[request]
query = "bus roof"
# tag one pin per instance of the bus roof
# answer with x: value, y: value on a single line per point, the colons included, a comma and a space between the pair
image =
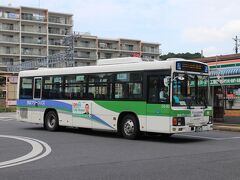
x: 108, y: 65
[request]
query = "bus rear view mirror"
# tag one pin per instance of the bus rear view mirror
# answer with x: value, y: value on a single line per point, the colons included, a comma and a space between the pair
x: 166, y: 81
x: 181, y: 78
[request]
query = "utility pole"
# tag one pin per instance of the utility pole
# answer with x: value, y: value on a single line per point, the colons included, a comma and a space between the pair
x: 236, y: 44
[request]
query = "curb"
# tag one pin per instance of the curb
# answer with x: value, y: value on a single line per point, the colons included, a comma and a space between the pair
x: 233, y: 128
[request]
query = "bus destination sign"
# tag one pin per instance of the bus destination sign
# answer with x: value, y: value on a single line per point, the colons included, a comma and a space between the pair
x: 191, y: 66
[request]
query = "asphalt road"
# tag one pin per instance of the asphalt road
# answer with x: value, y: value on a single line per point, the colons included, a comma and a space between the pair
x: 85, y: 154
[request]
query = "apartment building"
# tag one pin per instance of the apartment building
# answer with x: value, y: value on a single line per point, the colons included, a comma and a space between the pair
x: 88, y: 49
x: 28, y: 33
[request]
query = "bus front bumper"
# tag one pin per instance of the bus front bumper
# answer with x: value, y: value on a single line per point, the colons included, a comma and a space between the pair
x: 182, y: 129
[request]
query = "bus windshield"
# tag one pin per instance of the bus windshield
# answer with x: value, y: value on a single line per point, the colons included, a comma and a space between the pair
x: 190, y: 90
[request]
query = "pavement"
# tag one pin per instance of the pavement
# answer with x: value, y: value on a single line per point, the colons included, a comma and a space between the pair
x: 27, y: 151
x: 226, y: 127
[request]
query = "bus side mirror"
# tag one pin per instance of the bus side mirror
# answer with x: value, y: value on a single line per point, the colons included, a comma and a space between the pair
x: 166, y: 81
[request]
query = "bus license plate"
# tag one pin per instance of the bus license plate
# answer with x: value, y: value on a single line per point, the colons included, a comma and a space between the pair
x: 198, y: 129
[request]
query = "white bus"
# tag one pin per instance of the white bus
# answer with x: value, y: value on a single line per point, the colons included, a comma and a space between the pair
x: 126, y: 95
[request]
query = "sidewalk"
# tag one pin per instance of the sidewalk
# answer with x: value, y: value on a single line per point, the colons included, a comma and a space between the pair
x: 226, y: 127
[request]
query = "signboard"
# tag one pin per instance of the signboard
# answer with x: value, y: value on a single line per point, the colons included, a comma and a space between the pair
x: 191, y: 66
x: 226, y: 81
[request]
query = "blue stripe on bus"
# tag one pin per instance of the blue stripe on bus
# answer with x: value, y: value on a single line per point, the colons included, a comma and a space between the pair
x: 57, y: 105
x: 48, y: 103
x: 97, y: 119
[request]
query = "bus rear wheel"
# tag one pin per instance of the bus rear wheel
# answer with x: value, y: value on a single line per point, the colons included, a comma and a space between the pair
x: 130, y: 127
x: 51, y: 121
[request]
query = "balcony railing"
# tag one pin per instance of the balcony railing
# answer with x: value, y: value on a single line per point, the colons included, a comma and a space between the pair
x: 59, y: 20
x: 130, y: 49
x: 89, y: 45
x: 10, y: 15
x: 31, y: 41
x: 33, y: 53
x: 31, y: 17
x: 6, y: 39
x: 85, y: 56
x: 9, y: 51
x: 60, y: 31
x: 149, y: 50
x: 9, y: 28
x: 33, y: 30
x: 56, y: 43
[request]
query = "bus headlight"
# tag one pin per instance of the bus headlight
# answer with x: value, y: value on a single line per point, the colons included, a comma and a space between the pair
x: 178, y: 121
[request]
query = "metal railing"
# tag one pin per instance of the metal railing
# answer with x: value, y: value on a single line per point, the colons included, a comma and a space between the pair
x: 85, y: 56
x: 150, y: 50
x: 33, y: 30
x: 31, y: 17
x: 9, y: 28
x: 33, y: 53
x: 32, y: 41
x: 59, y: 20
x: 84, y: 45
x: 9, y: 51
x: 8, y: 39
x: 130, y: 49
x: 9, y: 15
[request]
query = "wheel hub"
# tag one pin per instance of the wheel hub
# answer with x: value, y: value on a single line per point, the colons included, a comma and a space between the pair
x: 129, y: 127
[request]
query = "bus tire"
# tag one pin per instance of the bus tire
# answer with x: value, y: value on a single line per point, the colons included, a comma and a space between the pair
x: 51, y: 122
x: 130, y: 127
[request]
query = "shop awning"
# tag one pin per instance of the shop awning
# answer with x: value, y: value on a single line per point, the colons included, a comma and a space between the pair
x: 226, y: 71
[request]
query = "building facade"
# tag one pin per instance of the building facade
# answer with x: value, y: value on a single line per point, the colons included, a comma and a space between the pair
x: 225, y: 87
x: 28, y: 33
x: 88, y: 49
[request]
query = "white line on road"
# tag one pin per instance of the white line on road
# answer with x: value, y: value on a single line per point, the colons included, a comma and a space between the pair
x: 210, y: 138
x: 40, y: 149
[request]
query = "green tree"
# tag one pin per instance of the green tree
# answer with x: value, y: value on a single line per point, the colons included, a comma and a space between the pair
x: 181, y: 55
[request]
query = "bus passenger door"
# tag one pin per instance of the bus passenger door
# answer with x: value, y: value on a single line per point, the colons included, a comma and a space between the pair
x: 157, y: 104
x: 37, y: 112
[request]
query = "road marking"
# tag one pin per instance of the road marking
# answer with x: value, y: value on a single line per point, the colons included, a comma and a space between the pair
x: 7, y: 118
x: 210, y: 138
x: 39, y: 150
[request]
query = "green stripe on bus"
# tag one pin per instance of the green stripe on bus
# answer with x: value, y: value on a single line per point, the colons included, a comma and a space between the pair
x: 141, y: 108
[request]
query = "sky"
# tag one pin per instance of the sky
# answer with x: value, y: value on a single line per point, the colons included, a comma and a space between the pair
x: 180, y: 26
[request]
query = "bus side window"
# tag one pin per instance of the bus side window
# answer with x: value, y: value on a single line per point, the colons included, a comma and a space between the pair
x: 26, y: 88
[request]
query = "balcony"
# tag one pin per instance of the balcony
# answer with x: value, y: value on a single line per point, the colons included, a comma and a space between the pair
x: 56, y: 43
x: 10, y: 15
x: 108, y: 46
x: 59, y: 20
x: 85, y: 45
x: 9, y: 40
x: 61, y: 32
x: 33, y: 17
x: 34, y: 30
x: 34, y: 41
x: 5, y: 27
x: 150, y: 50
x: 9, y: 51
x: 85, y: 56
x: 130, y: 48
x: 33, y: 53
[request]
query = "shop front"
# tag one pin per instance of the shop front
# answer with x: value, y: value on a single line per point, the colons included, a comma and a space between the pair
x: 225, y: 93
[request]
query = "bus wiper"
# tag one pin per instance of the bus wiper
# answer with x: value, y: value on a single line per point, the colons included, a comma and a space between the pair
x: 189, y: 103
x: 205, y: 104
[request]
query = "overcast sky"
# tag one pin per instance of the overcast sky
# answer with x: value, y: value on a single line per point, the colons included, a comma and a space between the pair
x: 178, y: 25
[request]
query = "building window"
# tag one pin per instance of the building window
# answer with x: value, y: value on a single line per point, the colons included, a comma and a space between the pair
x: 232, y: 97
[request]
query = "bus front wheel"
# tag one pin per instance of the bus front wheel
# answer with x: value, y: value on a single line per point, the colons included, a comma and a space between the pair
x: 130, y: 127
x: 51, y: 121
